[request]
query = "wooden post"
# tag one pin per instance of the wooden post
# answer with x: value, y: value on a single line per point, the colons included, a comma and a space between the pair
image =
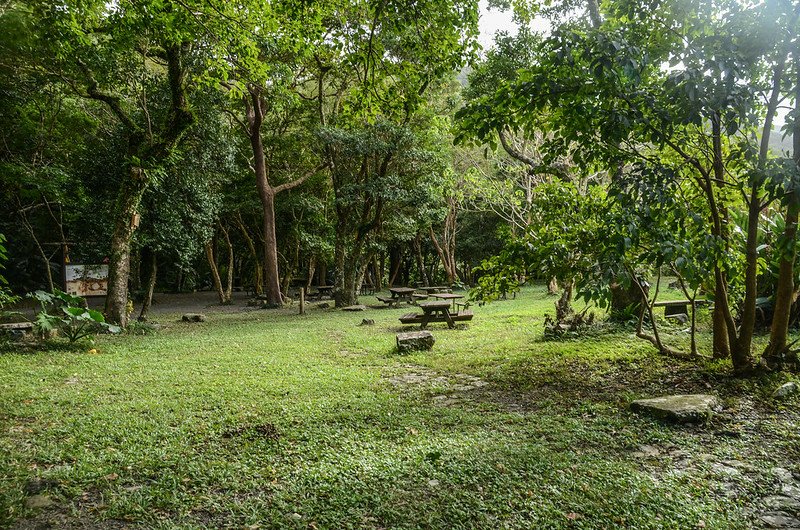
x: 302, y: 300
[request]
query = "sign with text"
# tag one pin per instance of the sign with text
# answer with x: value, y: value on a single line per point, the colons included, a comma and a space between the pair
x: 86, y: 280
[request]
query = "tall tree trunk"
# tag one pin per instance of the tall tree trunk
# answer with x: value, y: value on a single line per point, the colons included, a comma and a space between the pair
x: 151, y: 285
x: 229, y: 279
x: 212, y: 263
x: 258, y: 270
x: 254, y: 105
x: 444, y: 257
x: 272, y: 287
x: 42, y: 253
x: 740, y: 343
x: 423, y: 276
x: 347, y: 260
x: 312, y: 265
x: 377, y: 269
x: 785, y: 290
x: 128, y: 200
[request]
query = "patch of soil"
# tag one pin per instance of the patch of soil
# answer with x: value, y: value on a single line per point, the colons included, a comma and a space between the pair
x: 265, y: 431
x: 76, y: 515
x: 449, y: 389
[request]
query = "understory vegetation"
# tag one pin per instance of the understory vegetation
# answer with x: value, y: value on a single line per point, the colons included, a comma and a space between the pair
x: 274, y: 419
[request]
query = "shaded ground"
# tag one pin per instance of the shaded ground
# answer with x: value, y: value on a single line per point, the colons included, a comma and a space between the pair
x: 745, y: 427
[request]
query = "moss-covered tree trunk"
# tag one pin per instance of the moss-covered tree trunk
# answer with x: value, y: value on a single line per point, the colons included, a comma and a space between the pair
x: 128, y: 201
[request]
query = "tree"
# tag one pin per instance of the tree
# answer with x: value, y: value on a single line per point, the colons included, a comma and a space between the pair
x: 697, y: 116
x: 132, y: 59
x: 378, y: 62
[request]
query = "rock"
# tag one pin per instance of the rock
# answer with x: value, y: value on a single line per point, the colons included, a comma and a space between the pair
x: 783, y: 475
x: 723, y: 469
x: 367, y: 322
x: 647, y: 451
x: 193, y: 317
x: 414, y: 340
x: 683, y: 318
x: 785, y: 390
x: 355, y: 308
x: 36, y: 502
x: 686, y: 408
x: 779, y: 520
x: 782, y: 503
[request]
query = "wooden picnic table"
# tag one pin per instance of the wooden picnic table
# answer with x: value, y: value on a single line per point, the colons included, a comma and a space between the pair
x: 324, y: 290
x: 434, y: 289
x: 431, y: 309
x: 403, y: 294
x: 448, y: 296
x: 399, y: 294
x: 435, y: 312
x: 677, y: 307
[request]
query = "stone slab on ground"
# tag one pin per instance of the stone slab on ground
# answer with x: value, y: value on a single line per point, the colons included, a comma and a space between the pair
x: 779, y: 520
x: 36, y: 502
x: 682, y: 408
x: 193, y: 317
x: 355, y: 308
x: 785, y: 390
x: 414, y: 340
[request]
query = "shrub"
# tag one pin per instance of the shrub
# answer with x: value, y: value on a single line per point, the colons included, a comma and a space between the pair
x: 69, y: 316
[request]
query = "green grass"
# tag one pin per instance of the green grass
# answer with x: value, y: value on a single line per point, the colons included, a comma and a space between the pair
x: 273, y: 419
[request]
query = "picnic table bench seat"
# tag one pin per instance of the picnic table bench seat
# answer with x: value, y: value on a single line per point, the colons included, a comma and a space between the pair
x: 417, y: 318
x: 676, y: 307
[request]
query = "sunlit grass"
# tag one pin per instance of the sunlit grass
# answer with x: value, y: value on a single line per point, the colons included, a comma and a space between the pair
x: 282, y: 420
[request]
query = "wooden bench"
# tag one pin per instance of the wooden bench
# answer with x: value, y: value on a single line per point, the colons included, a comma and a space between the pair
x: 17, y: 329
x: 391, y: 302
x: 419, y: 318
x: 419, y: 296
x: 677, y: 307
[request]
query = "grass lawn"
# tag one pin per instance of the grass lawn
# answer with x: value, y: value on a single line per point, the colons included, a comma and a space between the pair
x: 268, y: 419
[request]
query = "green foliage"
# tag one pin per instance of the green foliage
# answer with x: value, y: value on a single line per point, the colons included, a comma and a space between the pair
x: 6, y: 296
x: 68, y: 316
x: 567, y: 239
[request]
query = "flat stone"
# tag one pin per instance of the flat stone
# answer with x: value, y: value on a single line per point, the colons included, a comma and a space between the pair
x: 367, y: 322
x: 790, y: 490
x: 414, y: 340
x: 647, y: 451
x: 786, y: 390
x: 355, y: 308
x: 36, y: 502
x: 684, y: 408
x: 779, y: 520
x: 683, y: 318
x: 193, y: 317
x: 783, y: 474
x: 782, y: 503
x: 722, y: 469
